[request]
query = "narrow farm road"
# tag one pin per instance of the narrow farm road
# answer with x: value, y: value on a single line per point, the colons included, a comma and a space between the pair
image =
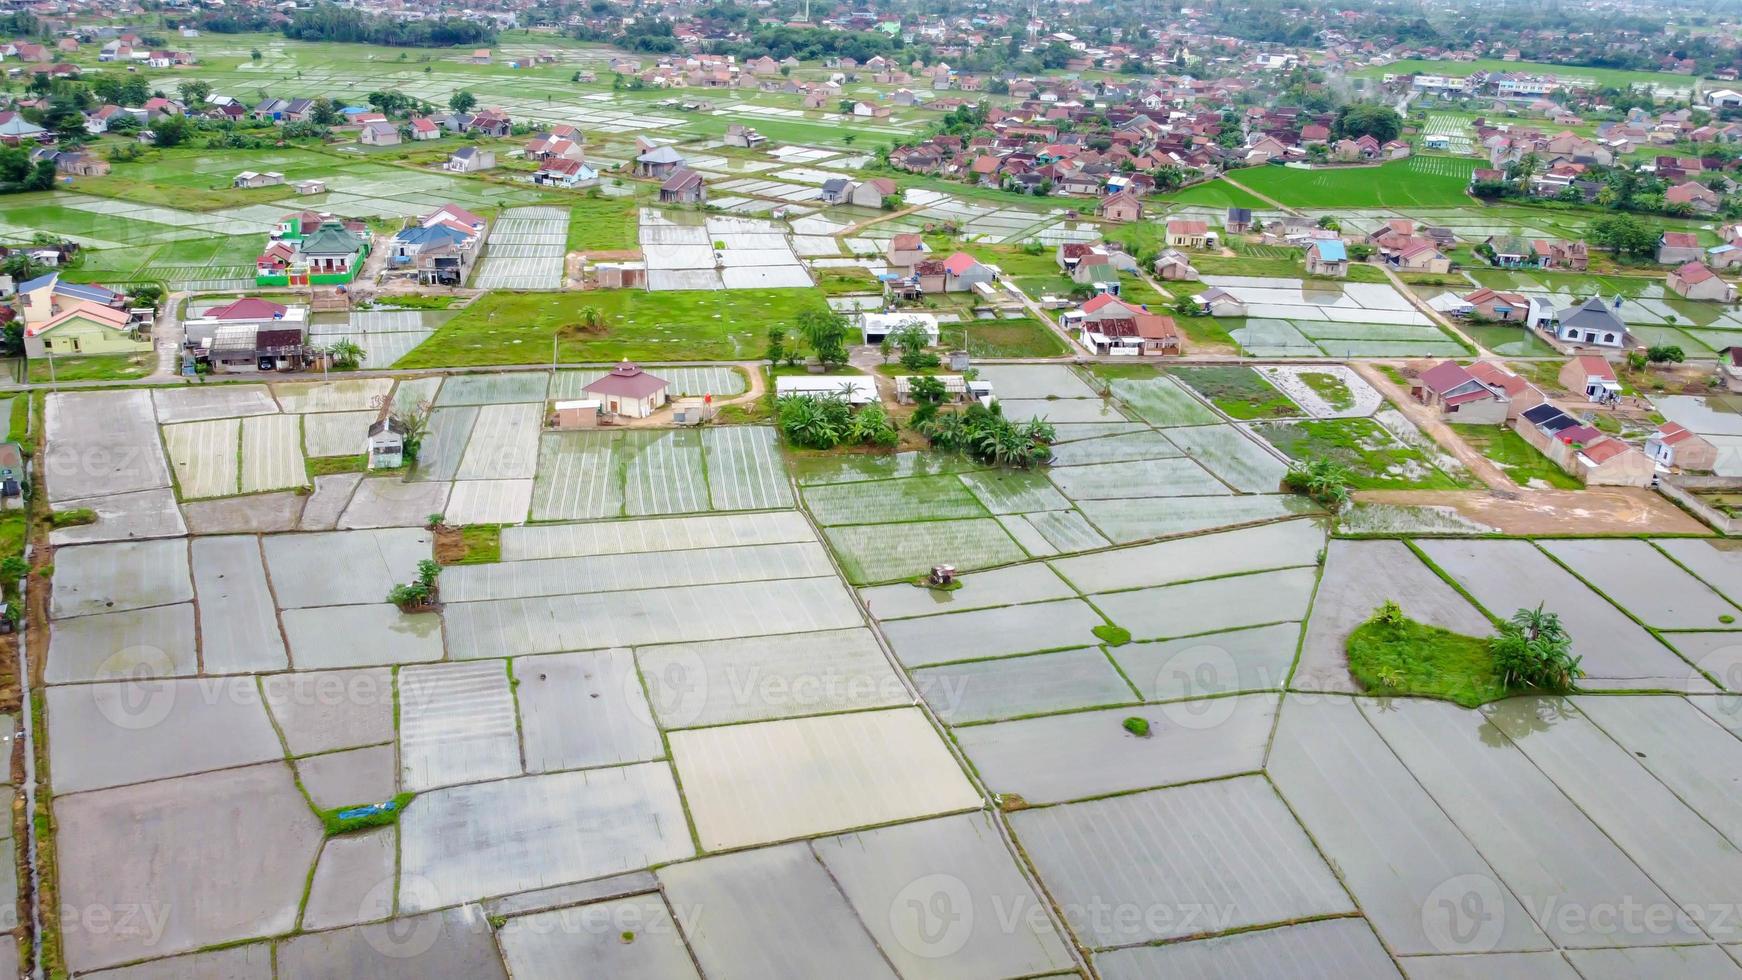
x: 1431, y: 313
x: 1428, y: 420
x: 1267, y: 199
x: 166, y: 337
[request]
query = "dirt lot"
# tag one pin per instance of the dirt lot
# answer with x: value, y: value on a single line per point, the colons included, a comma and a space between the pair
x: 1594, y: 510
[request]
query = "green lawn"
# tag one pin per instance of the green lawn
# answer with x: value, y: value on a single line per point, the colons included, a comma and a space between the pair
x: 602, y: 223
x: 1508, y: 340
x: 846, y: 281
x: 1009, y: 338
x: 1239, y: 391
x: 1216, y: 193
x: 1460, y: 69
x: 1330, y: 387
x: 703, y: 325
x: 94, y: 367
x: 1376, y: 460
x: 1420, y: 181
x: 1411, y: 659
x: 1518, y: 458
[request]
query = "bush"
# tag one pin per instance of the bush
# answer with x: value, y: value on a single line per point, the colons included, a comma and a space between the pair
x: 1664, y: 354
x: 1326, y: 481
x: 1136, y: 726
x: 827, y: 422
x: 1533, y: 650
x: 986, y: 435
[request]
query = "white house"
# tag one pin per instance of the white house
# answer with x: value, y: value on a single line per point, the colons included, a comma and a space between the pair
x: 875, y: 326
x: 856, y: 388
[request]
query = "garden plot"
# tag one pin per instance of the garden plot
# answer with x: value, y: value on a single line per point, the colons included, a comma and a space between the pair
x: 1332, y: 391
x: 547, y: 946
x: 541, y: 239
x: 1059, y: 758
x: 923, y: 498
x: 1209, y: 556
x: 336, y: 433
x: 681, y: 381
x: 662, y: 472
x: 351, y: 395
x: 682, y: 614
x: 653, y: 535
x: 1166, y: 852
x: 361, y: 636
x: 493, y: 389
x: 1030, y: 381
x: 648, y: 570
x: 1665, y: 835
x: 206, y: 456
x: 101, y: 443
x: 997, y: 632
x: 1375, y: 456
x: 775, y: 780
x: 342, y: 567
x: 272, y: 453
x: 993, y: 690
x: 757, y: 896
x: 744, y: 468
x: 1213, y: 605
x: 460, y: 727
x: 238, y: 620
x: 1125, y: 447
x: 489, y: 502
x: 213, y: 402
x: 1537, y: 841
x: 695, y: 685
x: 1507, y: 575
x: 1256, y: 659
x: 1392, y: 844
x: 1163, y: 402
x: 1358, y: 577
x: 241, y: 840
x: 102, y: 578
x: 1227, y: 452
x: 100, y: 736
x: 1177, y: 477
x: 1344, y: 948
x: 503, y: 444
x: 152, y: 642
x: 1642, y: 581
x: 886, y: 552
x: 462, y: 843
x: 875, y: 868
x: 577, y: 477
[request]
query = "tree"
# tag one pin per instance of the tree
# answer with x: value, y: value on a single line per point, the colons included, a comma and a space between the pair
x: 346, y: 354
x: 826, y: 333
x: 886, y: 347
x: 254, y: 55
x: 65, y: 120
x: 1623, y: 234
x: 912, y: 340
x: 1535, y: 650
x: 462, y: 101
x: 323, y: 112
x: 194, y: 92
x: 1358, y: 119
x: 415, y: 419
x: 776, y: 346
x: 170, y: 130
x: 1326, y: 481
x: 1664, y: 354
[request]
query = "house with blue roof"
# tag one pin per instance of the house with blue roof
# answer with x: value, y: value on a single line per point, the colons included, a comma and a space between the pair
x: 1327, y: 257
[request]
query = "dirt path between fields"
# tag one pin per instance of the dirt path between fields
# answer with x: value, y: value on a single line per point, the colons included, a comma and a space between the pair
x: 1593, y: 510
x: 1428, y: 420
x: 1267, y: 199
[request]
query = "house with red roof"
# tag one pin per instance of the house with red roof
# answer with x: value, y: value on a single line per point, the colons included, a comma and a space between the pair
x: 1695, y: 280
x: 629, y: 391
x: 1183, y: 233
x: 1675, y: 445
x: 1678, y: 247
x: 249, y: 311
x: 1520, y: 394
x: 1459, y: 395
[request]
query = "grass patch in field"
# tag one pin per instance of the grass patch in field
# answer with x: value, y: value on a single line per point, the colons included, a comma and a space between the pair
x: 1136, y: 726
x: 330, y: 465
x: 1239, y: 391
x: 1023, y: 337
x: 1329, y: 387
x: 1518, y: 458
x: 412, y: 301
x: 474, y: 544
x: 602, y: 224
x: 506, y: 327
x: 1420, y: 181
x: 1508, y: 340
x: 1376, y: 460
x: 1113, y: 636
x: 336, y: 825
x: 93, y: 367
x: 1216, y: 193
x: 846, y: 281
x: 1411, y: 659
x: 72, y: 517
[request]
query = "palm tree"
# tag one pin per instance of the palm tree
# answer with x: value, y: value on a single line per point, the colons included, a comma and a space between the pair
x: 346, y: 354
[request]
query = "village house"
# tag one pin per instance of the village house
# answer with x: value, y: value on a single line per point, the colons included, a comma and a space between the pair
x: 744, y: 137
x: 247, y: 311
x: 1460, y: 396
x: 685, y: 186
x: 1678, y: 248
x: 1672, y: 445
x: 1421, y: 255
x: 65, y: 318
x: 1592, y: 322
x: 659, y: 163
x: 1696, y: 196
x: 1592, y: 377
x: 835, y: 190
x: 873, y: 327
x: 872, y: 193
x: 906, y: 251
x: 1183, y: 233
x: 1175, y: 266
x: 424, y: 128
x: 1695, y: 281
x: 559, y: 172
x: 1217, y: 301
x: 379, y: 134
x: 1327, y: 258
x: 1490, y: 304
x: 470, y: 159
x: 331, y: 254
x: 629, y: 391
x: 251, y: 179
x: 1583, y: 451
x: 1121, y: 207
